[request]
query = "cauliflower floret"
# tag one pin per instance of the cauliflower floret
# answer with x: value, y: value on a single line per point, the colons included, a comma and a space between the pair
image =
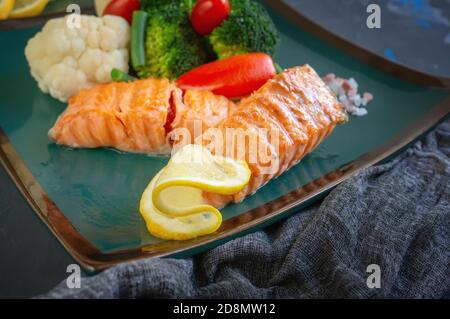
x: 64, y: 60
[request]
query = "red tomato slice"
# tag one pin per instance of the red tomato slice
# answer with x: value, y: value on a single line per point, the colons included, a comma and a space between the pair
x: 122, y: 8
x: 208, y: 15
x: 171, y: 114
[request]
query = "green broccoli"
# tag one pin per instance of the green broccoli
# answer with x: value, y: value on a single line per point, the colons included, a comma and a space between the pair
x: 248, y: 28
x: 172, y: 46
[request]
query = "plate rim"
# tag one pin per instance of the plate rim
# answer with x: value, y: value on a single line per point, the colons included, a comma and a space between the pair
x: 92, y: 259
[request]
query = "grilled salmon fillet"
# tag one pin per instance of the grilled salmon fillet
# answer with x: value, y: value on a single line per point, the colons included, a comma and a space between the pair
x: 198, y: 111
x: 135, y: 116
x: 287, y: 117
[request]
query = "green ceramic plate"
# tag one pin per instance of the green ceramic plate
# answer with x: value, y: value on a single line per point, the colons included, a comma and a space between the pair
x: 89, y: 198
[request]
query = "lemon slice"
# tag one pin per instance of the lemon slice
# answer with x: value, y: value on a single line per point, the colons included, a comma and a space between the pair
x: 169, y: 227
x: 195, y: 167
x: 173, y: 205
x: 27, y: 8
x: 6, y: 7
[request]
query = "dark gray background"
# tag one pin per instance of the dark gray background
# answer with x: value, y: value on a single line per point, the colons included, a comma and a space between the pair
x: 31, y: 259
x: 413, y: 32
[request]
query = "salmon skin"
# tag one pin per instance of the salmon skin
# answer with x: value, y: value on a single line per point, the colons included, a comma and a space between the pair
x: 286, y: 118
x: 133, y: 116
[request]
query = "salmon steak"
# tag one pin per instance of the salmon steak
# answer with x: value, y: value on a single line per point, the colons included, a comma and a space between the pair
x: 136, y: 116
x: 285, y: 120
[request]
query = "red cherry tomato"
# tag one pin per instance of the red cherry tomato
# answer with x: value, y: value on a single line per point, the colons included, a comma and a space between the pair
x: 209, y: 14
x: 122, y: 8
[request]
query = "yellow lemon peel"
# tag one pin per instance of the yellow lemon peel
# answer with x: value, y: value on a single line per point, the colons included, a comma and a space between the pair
x: 27, y: 8
x: 6, y: 7
x: 173, y: 206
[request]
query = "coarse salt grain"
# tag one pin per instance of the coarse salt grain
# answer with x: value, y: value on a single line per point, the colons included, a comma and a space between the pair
x: 347, y: 94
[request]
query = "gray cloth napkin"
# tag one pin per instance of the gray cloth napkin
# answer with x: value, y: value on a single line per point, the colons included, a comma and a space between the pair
x: 395, y: 216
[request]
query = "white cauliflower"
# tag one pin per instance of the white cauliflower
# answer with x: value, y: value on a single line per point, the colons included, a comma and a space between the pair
x: 64, y: 60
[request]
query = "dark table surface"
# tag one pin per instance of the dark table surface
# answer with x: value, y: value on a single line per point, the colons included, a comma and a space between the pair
x: 414, y: 32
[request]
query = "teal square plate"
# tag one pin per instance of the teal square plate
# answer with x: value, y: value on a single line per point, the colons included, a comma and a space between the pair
x: 89, y: 198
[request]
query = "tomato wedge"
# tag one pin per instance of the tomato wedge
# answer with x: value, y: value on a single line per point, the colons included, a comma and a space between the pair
x: 122, y: 8
x: 209, y: 14
x: 236, y: 76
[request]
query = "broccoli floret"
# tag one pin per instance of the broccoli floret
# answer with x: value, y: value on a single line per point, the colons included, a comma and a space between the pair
x: 172, y: 46
x: 248, y: 28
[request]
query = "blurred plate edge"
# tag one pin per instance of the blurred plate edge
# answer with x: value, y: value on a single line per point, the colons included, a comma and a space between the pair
x: 25, y: 23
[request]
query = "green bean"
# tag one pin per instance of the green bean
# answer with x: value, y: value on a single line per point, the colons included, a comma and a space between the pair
x: 278, y: 68
x: 120, y: 76
x: 137, y: 50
